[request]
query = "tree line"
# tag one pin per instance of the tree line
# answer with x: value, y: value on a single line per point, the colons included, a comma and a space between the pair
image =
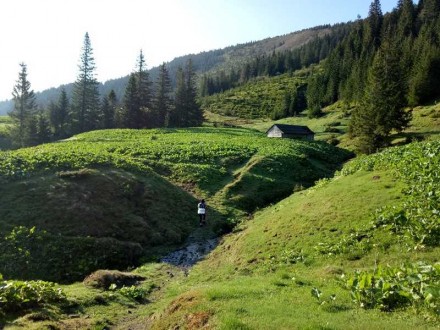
x: 380, y: 65
x: 145, y: 104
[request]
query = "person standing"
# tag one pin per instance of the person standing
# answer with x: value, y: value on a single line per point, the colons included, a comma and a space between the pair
x: 201, y: 211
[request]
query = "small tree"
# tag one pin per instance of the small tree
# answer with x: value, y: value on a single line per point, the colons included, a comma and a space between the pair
x: 24, y: 110
x: 85, y: 103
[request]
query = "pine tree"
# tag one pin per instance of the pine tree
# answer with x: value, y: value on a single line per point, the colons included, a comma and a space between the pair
x: 163, y: 100
x: 195, y: 114
x: 178, y: 115
x: 382, y: 108
x: 144, y: 93
x: 24, y: 110
x: 59, y: 115
x: 108, y: 109
x: 186, y: 111
x: 137, y: 98
x: 315, y: 94
x: 133, y: 117
x: 407, y: 18
x: 44, y: 133
x: 373, y: 26
x: 85, y: 103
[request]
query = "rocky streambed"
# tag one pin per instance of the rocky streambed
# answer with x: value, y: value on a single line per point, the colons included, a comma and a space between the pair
x: 190, y: 254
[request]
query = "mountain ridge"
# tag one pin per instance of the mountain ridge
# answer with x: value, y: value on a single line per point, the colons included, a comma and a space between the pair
x: 205, y: 61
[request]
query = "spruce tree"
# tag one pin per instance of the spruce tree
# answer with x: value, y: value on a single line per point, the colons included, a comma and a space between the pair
x: 374, y: 24
x: 163, y: 100
x: 44, y: 133
x: 24, y: 110
x: 382, y: 108
x: 108, y: 109
x: 195, y: 114
x: 178, y: 115
x: 133, y: 117
x: 144, y: 93
x: 85, y: 103
x: 59, y: 115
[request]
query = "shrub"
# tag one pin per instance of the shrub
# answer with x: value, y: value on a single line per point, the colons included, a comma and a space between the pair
x: 20, y: 295
x: 104, y: 278
x: 390, y: 288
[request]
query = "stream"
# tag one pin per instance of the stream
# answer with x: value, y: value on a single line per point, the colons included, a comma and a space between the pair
x: 190, y: 254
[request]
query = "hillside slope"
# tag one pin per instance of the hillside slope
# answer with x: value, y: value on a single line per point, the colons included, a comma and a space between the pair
x: 293, y: 266
x: 132, y: 193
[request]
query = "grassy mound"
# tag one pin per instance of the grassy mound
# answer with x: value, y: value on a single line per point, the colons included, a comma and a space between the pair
x: 330, y: 257
x: 62, y: 226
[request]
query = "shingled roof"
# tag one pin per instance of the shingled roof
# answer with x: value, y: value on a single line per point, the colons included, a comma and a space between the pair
x: 293, y: 129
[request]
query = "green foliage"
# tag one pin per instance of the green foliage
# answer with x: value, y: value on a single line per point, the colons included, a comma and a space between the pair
x: 261, y: 98
x: 416, y: 164
x: 317, y: 294
x: 391, y: 288
x: 357, y: 243
x: 202, y: 157
x: 16, y: 296
x: 85, y: 102
x: 29, y: 253
x: 133, y: 292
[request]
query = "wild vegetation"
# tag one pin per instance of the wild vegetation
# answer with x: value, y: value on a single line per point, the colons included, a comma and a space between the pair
x: 106, y: 188
x: 353, y: 249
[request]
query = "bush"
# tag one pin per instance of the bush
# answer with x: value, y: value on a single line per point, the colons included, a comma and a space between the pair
x: 391, y: 288
x: 20, y: 295
x: 66, y: 259
x: 103, y: 279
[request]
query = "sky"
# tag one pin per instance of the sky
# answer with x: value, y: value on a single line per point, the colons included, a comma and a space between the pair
x: 47, y: 35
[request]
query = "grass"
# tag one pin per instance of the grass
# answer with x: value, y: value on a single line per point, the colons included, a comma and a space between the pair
x: 132, y: 193
x: 262, y: 276
x: 333, y: 126
x: 287, y: 266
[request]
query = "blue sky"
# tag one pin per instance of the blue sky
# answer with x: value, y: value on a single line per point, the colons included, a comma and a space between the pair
x: 47, y: 35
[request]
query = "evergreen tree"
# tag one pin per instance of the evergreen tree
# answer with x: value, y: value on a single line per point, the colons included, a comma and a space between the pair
x: 195, y: 114
x: 186, y: 111
x: 374, y: 24
x: 163, y: 100
x: 85, y: 103
x: 137, y: 97
x: 382, y: 108
x: 133, y: 116
x: 407, y: 17
x: 24, y: 110
x: 59, y: 115
x: 44, y: 133
x: 109, y: 104
x: 315, y: 94
x: 144, y: 93
x: 178, y: 115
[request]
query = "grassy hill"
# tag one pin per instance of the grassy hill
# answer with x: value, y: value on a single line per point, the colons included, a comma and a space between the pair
x: 131, y: 193
x: 348, y: 253
x: 313, y: 260
x: 260, y: 98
